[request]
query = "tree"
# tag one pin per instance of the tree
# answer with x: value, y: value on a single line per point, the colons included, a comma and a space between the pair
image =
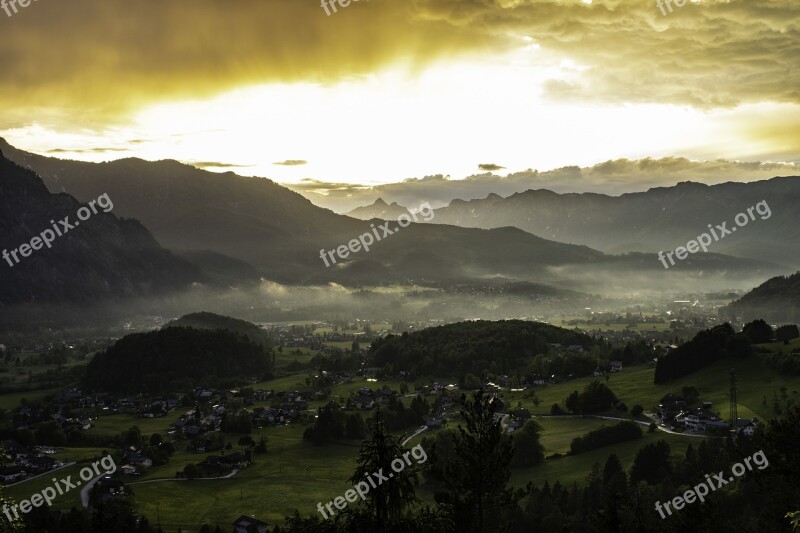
x: 615, y: 488
x: 795, y: 520
x: 132, y: 437
x: 528, y: 451
x: 651, y: 463
x: 573, y: 402
x: 690, y: 394
x: 596, y: 397
x: 261, y: 447
x: 758, y: 331
x: 15, y: 524
x: 476, y: 485
x: 156, y: 439
x: 191, y: 471
x: 471, y: 382
x: 246, y: 441
x: 787, y: 333
x: 387, y: 500
x: 354, y: 427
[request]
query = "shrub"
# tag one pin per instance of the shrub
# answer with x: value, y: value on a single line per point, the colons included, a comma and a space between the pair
x: 621, y: 432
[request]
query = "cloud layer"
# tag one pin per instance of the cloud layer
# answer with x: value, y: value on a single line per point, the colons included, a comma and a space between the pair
x: 611, y: 177
x: 106, y: 57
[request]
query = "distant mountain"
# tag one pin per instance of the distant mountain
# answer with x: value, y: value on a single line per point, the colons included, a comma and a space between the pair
x: 103, y: 257
x: 777, y: 300
x: 251, y: 219
x: 378, y: 209
x: 659, y: 219
x: 232, y: 225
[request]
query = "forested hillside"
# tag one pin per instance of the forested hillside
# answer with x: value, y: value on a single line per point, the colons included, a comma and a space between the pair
x: 472, y: 347
x: 177, y: 359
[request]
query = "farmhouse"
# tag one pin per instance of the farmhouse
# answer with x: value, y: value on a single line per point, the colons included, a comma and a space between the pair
x: 248, y: 524
x: 669, y: 407
x: 746, y: 427
x: 9, y: 474
x: 700, y: 421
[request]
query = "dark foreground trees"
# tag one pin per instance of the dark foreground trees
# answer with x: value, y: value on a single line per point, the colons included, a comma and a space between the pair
x: 475, y: 487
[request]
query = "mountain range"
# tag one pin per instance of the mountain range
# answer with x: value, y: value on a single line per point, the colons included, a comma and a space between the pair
x: 239, y: 229
x: 658, y: 219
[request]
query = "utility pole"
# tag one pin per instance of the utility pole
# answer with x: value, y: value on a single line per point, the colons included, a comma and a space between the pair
x: 733, y: 409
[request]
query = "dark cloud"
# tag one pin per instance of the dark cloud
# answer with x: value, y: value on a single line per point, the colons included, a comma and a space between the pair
x: 106, y: 58
x: 291, y: 162
x: 712, y: 53
x: 490, y: 167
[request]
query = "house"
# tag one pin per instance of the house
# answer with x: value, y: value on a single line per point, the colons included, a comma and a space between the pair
x: 669, y: 407
x: 41, y: 464
x: 701, y: 420
x: 514, y: 425
x: 434, y: 422
x: 107, y: 488
x: 497, y: 405
x: 521, y: 414
x: 137, y: 459
x: 194, y: 431
x: 10, y: 474
x: 200, y: 445
x: 249, y: 524
x: 746, y: 427
x: 364, y: 402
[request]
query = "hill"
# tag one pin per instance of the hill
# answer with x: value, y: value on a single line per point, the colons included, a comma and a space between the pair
x: 777, y: 300
x: 472, y: 347
x: 177, y: 359
x: 719, y: 342
x: 102, y: 257
x: 211, y: 321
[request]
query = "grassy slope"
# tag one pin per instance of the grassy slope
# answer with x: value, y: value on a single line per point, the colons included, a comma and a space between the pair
x: 634, y: 385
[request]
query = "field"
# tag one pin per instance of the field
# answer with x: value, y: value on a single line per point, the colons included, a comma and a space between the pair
x: 634, y: 385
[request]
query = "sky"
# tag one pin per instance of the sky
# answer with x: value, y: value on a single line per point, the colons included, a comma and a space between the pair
x: 614, y: 95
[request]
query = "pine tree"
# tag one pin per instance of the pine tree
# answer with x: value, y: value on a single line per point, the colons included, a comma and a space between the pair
x: 388, y: 500
x: 476, y: 483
